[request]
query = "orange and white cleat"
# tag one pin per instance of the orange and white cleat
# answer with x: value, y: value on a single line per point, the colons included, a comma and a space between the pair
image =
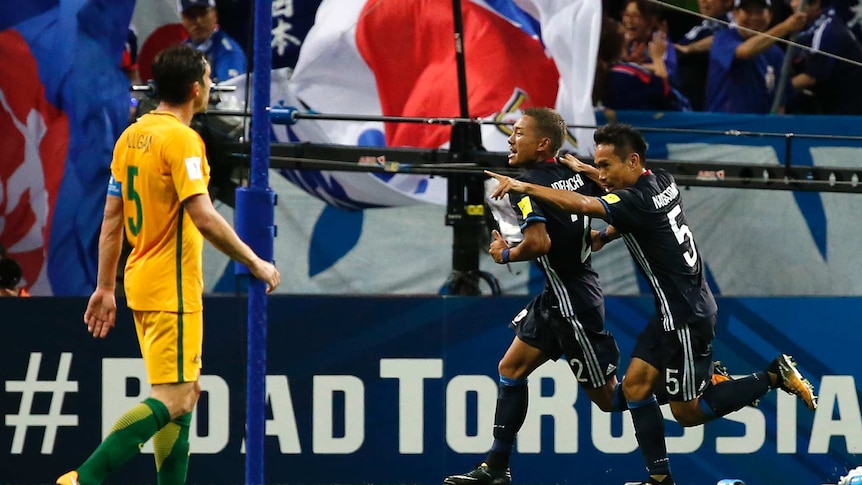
x: 790, y: 380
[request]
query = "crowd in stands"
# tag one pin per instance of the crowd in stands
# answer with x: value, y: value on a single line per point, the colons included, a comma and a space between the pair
x: 722, y: 63
x: 655, y: 57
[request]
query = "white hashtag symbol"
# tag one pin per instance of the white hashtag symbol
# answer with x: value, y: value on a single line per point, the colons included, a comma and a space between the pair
x: 28, y: 388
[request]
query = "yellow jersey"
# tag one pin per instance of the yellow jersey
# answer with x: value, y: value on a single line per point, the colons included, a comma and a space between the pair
x: 158, y: 163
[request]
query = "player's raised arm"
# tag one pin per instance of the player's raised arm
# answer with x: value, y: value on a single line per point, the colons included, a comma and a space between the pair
x: 564, y: 199
x: 578, y: 166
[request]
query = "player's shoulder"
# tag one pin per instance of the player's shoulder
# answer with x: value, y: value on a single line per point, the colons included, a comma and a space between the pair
x: 169, y: 126
x: 662, y: 176
x: 651, y: 184
x: 559, y: 176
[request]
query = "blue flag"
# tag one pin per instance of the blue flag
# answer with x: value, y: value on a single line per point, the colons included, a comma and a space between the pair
x: 63, y: 102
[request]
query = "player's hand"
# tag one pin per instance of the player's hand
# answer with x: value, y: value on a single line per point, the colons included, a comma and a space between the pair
x: 573, y: 163
x: 498, y: 244
x: 101, y: 312
x: 268, y: 273
x: 506, y: 184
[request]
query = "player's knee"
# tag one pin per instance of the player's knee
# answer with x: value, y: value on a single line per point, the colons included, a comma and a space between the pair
x: 603, y: 396
x: 687, y: 413
x: 636, y: 390
x: 178, y: 398
x: 191, y: 398
x: 511, y: 370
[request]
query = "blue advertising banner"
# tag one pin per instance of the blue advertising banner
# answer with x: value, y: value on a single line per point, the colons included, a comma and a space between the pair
x: 401, y: 390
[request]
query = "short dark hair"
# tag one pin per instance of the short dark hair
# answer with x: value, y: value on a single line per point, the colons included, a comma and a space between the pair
x: 549, y: 123
x: 611, y: 40
x: 623, y: 138
x: 175, y: 70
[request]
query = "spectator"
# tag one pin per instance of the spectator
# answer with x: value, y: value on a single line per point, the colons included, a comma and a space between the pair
x: 621, y: 85
x: 129, y: 62
x: 693, y: 49
x: 848, y: 11
x: 744, y: 66
x: 10, y: 276
x: 643, y: 23
x: 829, y: 85
x: 224, y: 54
x: 129, y: 66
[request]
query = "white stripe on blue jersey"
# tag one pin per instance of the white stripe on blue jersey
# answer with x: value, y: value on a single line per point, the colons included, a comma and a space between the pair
x: 638, y: 254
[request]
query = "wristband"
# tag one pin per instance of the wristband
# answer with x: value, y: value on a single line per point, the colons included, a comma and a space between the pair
x: 505, y: 255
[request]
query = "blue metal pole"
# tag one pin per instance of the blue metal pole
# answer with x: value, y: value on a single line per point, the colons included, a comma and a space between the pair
x: 255, y: 224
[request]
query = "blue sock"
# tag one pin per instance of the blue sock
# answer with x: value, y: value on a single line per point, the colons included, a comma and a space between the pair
x: 649, y: 431
x: 508, y: 419
x: 733, y: 395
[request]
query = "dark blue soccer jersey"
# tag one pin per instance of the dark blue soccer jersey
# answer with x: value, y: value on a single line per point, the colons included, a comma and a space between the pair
x: 650, y: 218
x: 569, y: 274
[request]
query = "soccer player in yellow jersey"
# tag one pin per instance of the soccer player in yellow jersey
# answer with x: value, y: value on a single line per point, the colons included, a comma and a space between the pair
x: 158, y: 193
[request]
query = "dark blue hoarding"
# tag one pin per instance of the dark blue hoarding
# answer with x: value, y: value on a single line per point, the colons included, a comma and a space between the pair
x: 401, y: 390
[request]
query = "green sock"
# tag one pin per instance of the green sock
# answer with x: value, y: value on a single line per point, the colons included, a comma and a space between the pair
x: 171, y: 445
x: 128, y: 435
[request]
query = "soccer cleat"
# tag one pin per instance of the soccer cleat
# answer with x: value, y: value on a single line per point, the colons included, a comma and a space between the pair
x: 790, y: 380
x: 720, y: 374
x: 482, y: 475
x: 69, y: 478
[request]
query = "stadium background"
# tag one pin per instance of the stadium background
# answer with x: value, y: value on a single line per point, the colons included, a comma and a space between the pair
x: 785, y: 262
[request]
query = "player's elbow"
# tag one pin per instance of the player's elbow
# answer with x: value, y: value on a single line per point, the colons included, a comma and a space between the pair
x: 202, y: 213
x: 582, y: 205
x: 205, y: 222
x: 206, y: 226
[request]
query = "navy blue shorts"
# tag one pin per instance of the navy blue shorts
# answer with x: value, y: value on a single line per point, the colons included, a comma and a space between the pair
x: 591, y: 351
x: 682, y: 356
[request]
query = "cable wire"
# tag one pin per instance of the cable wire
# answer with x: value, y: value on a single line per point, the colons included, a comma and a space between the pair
x: 757, y: 32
